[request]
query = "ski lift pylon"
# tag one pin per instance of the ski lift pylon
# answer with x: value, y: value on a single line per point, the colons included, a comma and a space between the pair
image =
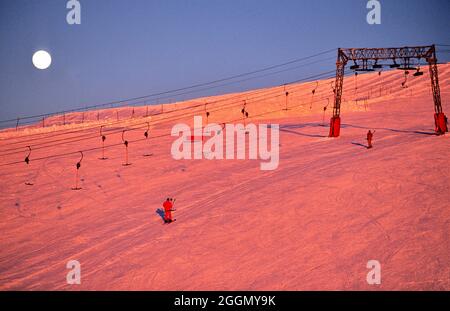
x: 125, y: 142
x: 27, y: 161
x: 78, y: 166
x: 103, y: 137
x: 27, y: 158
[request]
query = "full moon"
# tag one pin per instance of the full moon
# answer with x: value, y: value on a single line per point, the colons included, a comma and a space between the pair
x: 42, y: 59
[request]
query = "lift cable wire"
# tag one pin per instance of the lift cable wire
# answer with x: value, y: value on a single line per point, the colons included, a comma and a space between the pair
x: 64, y: 141
x: 84, y: 128
x: 109, y: 132
x: 115, y: 131
x: 136, y: 128
x: 141, y: 139
x: 53, y: 134
x: 175, y: 90
x: 238, y: 81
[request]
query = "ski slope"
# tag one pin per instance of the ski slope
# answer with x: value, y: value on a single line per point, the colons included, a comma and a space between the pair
x: 312, y: 224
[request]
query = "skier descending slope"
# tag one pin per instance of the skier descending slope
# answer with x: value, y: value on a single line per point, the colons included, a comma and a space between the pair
x: 369, y: 139
x: 168, y: 209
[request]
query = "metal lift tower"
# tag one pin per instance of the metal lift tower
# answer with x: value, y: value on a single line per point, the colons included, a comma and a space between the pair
x: 368, y: 61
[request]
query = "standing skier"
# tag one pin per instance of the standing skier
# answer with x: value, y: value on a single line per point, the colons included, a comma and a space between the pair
x: 168, y: 205
x: 369, y: 139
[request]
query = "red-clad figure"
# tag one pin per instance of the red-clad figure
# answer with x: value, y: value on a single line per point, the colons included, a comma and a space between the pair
x: 168, y: 205
x: 369, y: 139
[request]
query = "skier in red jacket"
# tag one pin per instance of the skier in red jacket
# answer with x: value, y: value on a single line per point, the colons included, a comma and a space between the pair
x: 168, y: 205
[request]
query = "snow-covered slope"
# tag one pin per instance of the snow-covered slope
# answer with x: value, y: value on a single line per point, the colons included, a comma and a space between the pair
x: 313, y: 223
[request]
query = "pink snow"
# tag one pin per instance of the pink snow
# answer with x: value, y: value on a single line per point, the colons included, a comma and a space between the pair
x: 312, y: 224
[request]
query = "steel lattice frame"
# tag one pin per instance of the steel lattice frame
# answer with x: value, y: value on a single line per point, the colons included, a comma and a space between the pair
x: 403, y: 55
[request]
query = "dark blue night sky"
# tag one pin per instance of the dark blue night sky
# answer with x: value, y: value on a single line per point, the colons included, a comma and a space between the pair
x: 131, y: 48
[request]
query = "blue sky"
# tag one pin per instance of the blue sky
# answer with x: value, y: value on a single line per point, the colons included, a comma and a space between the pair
x: 124, y: 49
